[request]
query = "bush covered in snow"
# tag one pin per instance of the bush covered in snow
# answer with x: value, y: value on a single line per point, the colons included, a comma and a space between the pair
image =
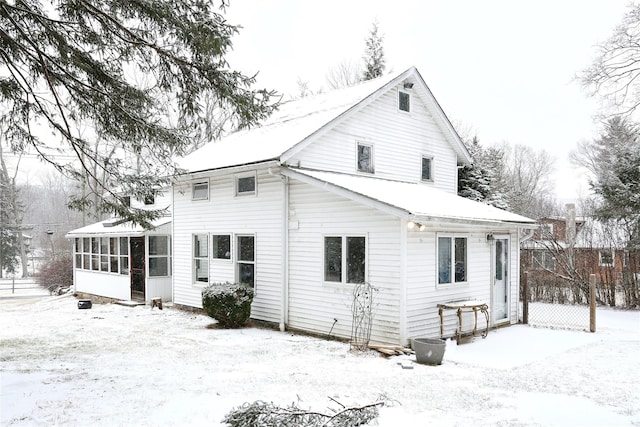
x: 56, y: 274
x: 228, y: 303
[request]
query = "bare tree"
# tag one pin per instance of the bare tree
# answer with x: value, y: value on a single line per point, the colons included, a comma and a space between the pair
x: 345, y: 74
x: 615, y: 73
x: 526, y: 179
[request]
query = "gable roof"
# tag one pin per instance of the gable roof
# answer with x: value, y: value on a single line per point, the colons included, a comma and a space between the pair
x: 296, y: 124
x: 408, y: 199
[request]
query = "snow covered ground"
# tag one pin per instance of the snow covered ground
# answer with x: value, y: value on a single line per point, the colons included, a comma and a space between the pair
x: 120, y: 366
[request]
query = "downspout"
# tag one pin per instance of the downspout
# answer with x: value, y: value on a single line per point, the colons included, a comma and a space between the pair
x: 284, y: 298
x: 403, y: 282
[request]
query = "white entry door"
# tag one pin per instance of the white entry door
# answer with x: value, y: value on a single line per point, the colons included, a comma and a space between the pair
x: 501, y: 279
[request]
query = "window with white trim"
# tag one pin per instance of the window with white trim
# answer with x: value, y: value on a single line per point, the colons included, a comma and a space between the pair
x: 404, y: 101
x: 124, y: 255
x: 427, y: 168
x: 452, y: 259
x: 200, y: 258
x: 544, y: 259
x: 159, y: 256
x: 246, y: 260
x: 200, y: 190
x: 221, y: 246
x: 605, y: 257
x: 345, y: 259
x: 365, y: 157
x: 77, y: 252
x: 246, y: 184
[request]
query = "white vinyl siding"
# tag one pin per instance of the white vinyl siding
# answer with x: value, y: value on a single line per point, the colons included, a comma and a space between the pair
x: 313, y: 302
x: 400, y: 140
x: 226, y: 214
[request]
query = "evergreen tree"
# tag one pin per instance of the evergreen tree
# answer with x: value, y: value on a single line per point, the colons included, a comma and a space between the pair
x: 374, y: 59
x: 10, y: 230
x: 614, y: 161
x: 480, y: 181
x: 139, y: 73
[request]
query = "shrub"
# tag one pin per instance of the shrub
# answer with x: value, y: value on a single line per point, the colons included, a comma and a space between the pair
x: 228, y: 303
x: 56, y: 274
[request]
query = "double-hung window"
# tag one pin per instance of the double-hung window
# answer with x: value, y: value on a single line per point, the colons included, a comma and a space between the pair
x: 544, y: 259
x: 159, y: 256
x: 345, y: 259
x: 200, y: 258
x: 124, y: 255
x: 605, y: 258
x: 221, y: 246
x: 246, y: 260
x: 452, y: 259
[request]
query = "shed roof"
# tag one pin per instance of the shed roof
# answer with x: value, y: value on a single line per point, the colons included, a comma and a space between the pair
x: 296, y: 122
x: 412, y: 200
x: 114, y: 227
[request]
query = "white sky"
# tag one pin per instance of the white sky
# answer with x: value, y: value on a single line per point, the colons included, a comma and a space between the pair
x: 503, y: 68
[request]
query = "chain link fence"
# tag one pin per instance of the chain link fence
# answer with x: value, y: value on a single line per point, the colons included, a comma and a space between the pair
x: 543, y: 308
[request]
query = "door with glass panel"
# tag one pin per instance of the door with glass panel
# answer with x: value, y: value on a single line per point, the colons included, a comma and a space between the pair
x: 501, y: 267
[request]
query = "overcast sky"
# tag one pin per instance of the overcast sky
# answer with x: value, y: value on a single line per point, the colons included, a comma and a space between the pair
x: 504, y: 69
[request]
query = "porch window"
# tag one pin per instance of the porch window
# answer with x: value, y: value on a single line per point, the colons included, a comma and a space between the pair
x: 452, y: 259
x: 201, y: 258
x: 113, y: 254
x: 246, y: 262
x: 95, y: 253
x: 78, y: 253
x: 221, y: 246
x: 365, y: 158
x: 104, y: 254
x: 86, y: 253
x: 345, y: 259
x: 159, y: 256
x: 124, y: 255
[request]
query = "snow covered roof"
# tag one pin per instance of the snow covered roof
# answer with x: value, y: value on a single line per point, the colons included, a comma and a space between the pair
x: 414, y: 200
x: 296, y: 122
x: 113, y: 227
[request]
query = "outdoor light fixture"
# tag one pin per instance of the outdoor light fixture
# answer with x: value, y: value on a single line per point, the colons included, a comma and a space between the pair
x: 415, y: 226
x: 490, y: 237
x: 408, y: 85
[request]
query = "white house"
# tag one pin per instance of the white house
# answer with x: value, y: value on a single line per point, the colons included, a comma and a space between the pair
x: 357, y: 185
x: 119, y: 260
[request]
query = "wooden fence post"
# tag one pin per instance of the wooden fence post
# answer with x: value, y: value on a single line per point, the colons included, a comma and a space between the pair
x: 525, y: 298
x: 592, y: 302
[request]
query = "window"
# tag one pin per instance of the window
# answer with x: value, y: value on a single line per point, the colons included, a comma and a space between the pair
x: 426, y: 169
x: 124, y: 255
x: 365, y: 158
x: 345, y: 259
x: 452, y: 259
x: 200, y: 258
x: 246, y: 260
x: 221, y: 246
x: 606, y: 258
x: 86, y: 253
x: 113, y: 254
x: 544, y: 260
x: 246, y: 184
x: 149, y: 199
x: 159, y: 256
x: 546, y: 230
x: 95, y: 253
x: 404, y: 101
x: 200, y: 191
x: 104, y: 254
